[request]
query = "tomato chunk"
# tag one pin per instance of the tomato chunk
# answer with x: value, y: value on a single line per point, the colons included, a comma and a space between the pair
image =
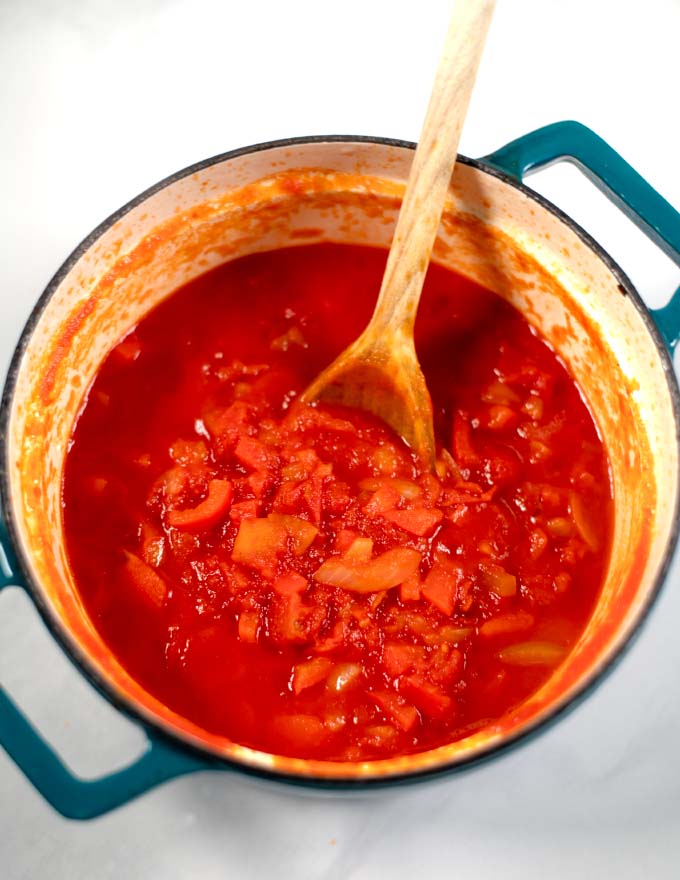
x: 259, y: 543
x: 309, y: 673
x: 254, y: 454
x: 248, y: 626
x: 300, y: 731
x: 463, y: 448
x: 128, y: 350
x: 418, y: 520
x: 208, y: 513
x: 290, y: 584
x: 384, y: 498
x: 440, y: 586
x: 397, y: 657
x: 343, y: 677
x: 402, y: 713
x: 428, y: 698
x: 288, y: 619
x: 301, y: 532
x: 409, y: 591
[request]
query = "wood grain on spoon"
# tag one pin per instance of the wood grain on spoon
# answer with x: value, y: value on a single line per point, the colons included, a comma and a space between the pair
x: 379, y: 372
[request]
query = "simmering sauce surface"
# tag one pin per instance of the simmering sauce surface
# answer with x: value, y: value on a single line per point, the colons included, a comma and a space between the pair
x: 286, y: 576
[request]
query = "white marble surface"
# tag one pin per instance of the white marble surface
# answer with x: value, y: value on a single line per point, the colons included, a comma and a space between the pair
x: 99, y: 99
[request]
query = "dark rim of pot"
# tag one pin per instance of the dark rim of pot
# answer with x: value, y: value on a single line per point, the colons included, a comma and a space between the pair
x: 127, y: 706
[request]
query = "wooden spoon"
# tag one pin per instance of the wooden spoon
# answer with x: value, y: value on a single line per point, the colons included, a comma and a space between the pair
x: 379, y: 372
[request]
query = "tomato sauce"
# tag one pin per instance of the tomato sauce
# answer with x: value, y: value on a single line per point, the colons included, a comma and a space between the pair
x: 286, y: 575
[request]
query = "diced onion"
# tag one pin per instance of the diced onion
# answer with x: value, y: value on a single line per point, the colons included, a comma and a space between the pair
x: 385, y: 571
x: 532, y: 654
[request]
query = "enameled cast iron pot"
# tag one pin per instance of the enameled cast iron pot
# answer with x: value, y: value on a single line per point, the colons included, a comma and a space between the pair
x: 344, y: 189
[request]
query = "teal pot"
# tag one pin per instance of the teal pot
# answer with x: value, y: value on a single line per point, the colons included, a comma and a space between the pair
x: 344, y: 189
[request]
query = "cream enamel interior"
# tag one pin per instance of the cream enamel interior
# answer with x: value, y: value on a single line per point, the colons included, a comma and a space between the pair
x: 348, y: 192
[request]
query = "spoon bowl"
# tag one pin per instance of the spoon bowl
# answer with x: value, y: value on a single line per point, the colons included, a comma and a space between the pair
x: 379, y: 372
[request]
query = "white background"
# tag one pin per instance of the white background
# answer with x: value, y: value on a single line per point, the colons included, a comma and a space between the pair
x: 100, y: 99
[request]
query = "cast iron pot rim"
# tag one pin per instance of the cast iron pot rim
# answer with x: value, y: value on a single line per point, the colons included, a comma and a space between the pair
x: 165, y: 732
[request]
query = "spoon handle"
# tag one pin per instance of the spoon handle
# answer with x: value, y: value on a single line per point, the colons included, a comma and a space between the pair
x: 432, y: 168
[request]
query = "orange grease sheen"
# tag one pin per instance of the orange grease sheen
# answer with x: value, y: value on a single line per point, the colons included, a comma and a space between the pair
x: 286, y: 576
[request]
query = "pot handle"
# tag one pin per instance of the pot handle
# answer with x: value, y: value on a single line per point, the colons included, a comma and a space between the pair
x: 71, y: 796
x: 8, y: 563
x: 612, y: 175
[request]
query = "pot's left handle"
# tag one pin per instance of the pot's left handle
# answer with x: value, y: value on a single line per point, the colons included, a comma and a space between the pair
x: 71, y: 796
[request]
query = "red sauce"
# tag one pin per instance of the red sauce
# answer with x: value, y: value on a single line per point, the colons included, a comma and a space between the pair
x: 286, y: 576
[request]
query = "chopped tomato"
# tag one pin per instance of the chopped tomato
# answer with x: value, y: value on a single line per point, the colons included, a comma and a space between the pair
x: 293, y: 336
x: 290, y: 584
x: 381, y: 736
x: 538, y: 542
x: 309, y: 673
x: 243, y: 510
x: 313, y: 491
x: 500, y: 393
x: 428, y: 698
x: 402, y: 713
x: 468, y: 493
x: 439, y: 587
x: 417, y: 520
x: 288, y: 619
x: 332, y: 641
x: 397, y: 657
x: 344, y: 540
x: 259, y: 543
x: 501, y: 417
x: 189, y: 452
x: 128, y: 350
x: 382, y: 500
x: 301, y: 532
x: 386, y: 460
x: 446, y: 665
x: 153, y: 545
x: 409, y: 591
x: 248, y: 625
x: 208, y: 513
x: 254, y: 454
x: 463, y: 448
x: 431, y: 489
x: 300, y: 731
x: 343, y: 677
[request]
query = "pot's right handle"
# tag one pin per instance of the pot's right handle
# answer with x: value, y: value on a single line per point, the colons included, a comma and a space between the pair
x: 641, y: 203
x: 71, y: 796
